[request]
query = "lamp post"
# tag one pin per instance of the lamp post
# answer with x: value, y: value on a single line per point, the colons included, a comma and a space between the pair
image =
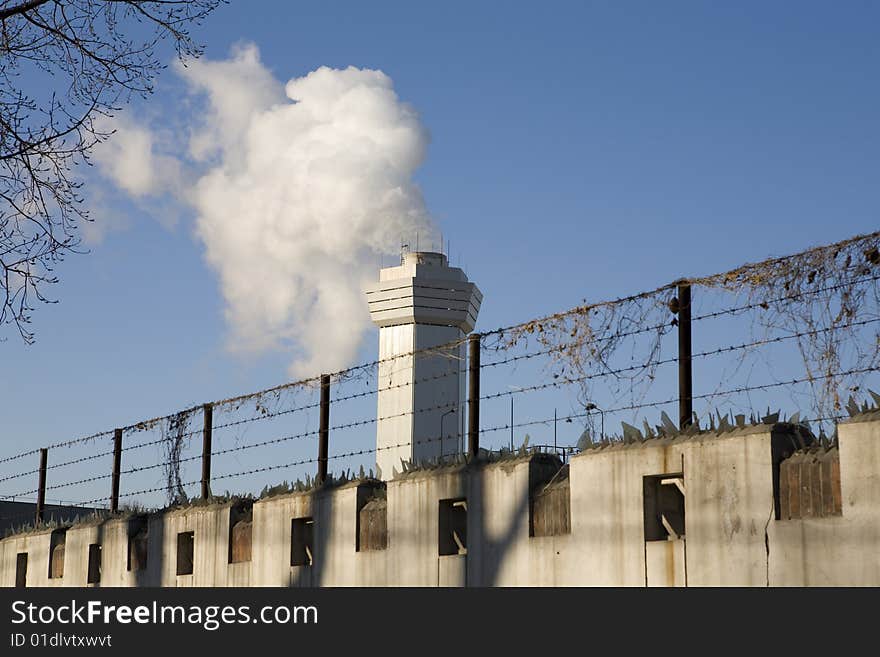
x: 555, y: 449
x: 592, y: 407
x: 443, y: 417
x: 511, y: 422
x: 512, y: 390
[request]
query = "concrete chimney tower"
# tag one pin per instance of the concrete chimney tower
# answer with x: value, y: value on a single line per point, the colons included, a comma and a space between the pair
x: 422, y: 303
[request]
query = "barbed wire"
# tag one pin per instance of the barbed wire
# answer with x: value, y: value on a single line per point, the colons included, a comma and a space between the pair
x: 674, y: 400
x: 214, y: 427
x: 563, y: 347
x: 358, y: 423
x: 618, y: 409
x: 239, y: 448
x: 796, y: 295
x: 262, y: 469
x: 666, y: 361
x: 19, y: 475
x: 19, y: 456
x: 225, y: 451
x: 21, y: 494
x: 372, y: 450
x: 501, y: 427
x: 404, y: 384
x: 346, y: 374
x: 75, y: 441
x: 82, y: 459
x: 450, y: 349
x: 55, y: 466
x: 650, y: 329
x: 703, y: 280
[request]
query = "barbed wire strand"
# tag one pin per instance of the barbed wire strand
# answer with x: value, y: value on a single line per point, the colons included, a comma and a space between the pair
x: 344, y: 373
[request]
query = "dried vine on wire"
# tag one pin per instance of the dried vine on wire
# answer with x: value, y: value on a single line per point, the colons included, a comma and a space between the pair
x: 591, y: 341
x: 174, y: 432
x: 822, y: 296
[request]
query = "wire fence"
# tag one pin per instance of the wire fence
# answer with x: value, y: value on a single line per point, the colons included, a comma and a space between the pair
x: 790, y: 338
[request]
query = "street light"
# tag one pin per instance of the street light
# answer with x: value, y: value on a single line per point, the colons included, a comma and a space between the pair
x: 443, y: 417
x: 592, y: 407
x: 555, y: 449
x: 512, y: 390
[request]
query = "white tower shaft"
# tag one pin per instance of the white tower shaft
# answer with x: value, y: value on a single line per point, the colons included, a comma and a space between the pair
x: 420, y: 305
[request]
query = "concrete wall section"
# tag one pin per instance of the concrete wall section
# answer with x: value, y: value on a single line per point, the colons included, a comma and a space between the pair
x: 607, y: 523
x: 842, y: 550
x: 728, y: 505
x: 468, y: 525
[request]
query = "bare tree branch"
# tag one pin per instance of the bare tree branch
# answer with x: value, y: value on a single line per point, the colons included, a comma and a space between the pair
x: 23, y: 8
x: 65, y: 64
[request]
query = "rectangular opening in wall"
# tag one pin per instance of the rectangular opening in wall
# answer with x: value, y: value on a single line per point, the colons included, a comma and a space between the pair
x: 138, y: 537
x: 550, y: 506
x: 241, y: 523
x: 301, y: 542
x: 94, y: 574
x: 452, y: 527
x: 372, y: 519
x: 664, y: 507
x: 21, y: 570
x: 56, y: 553
x: 185, y: 545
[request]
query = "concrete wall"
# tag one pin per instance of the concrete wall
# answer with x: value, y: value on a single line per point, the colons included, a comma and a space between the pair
x: 842, y: 550
x: 731, y: 536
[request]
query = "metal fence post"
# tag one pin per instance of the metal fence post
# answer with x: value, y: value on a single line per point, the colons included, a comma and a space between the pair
x: 117, y: 461
x: 474, y: 394
x: 208, y: 410
x: 685, y: 372
x: 324, y: 429
x: 41, y: 487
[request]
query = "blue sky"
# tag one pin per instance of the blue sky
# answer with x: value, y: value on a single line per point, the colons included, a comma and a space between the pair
x: 577, y: 150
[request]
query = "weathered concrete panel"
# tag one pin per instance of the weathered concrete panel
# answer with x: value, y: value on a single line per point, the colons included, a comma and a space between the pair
x: 665, y: 563
x: 729, y: 503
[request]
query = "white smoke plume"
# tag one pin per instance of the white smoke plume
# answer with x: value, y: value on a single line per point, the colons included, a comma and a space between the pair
x: 132, y: 160
x: 298, y: 190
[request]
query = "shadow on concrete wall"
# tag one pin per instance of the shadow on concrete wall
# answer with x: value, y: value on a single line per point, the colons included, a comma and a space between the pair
x: 322, y: 512
x: 321, y: 506
x: 99, y: 538
x: 152, y: 574
x: 493, y: 552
